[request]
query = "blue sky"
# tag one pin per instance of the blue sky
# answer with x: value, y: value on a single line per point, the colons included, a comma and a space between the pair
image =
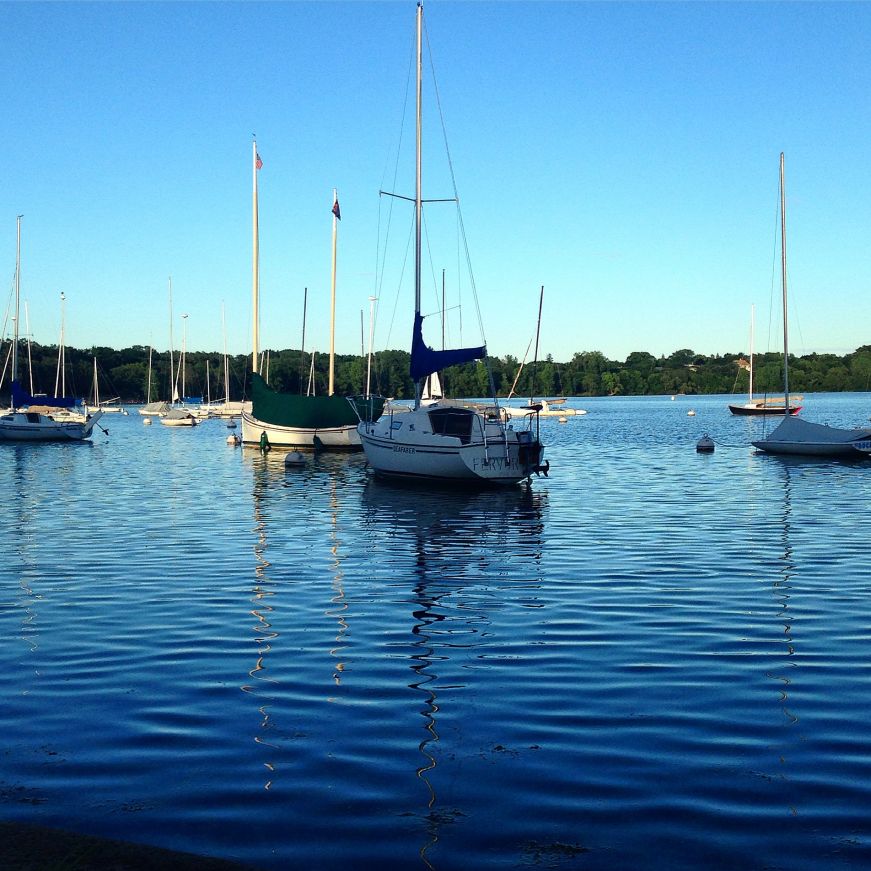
x: 623, y: 155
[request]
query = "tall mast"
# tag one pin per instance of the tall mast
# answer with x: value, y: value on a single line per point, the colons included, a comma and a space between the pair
x: 418, y: 205
x: 255, y: 263
x: 752, y: 330
x: 17, y: 300
x: 783, y: 280
x: 336, y: 215
x: 172, y: 385
x: 182, y: 361
x: 60, y: 376
x: 226, y: 369
x: 537, y: 332
x: 302, y: 346
x: 372, y: 301
x: 29, y: 356
x: 148, y: 388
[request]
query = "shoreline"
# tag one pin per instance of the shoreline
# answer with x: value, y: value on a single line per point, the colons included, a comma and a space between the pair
x: 32, y: 847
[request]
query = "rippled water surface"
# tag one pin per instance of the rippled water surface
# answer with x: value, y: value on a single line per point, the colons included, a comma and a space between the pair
x: 652, y: 659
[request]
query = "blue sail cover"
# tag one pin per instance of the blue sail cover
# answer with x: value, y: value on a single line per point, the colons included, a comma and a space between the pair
x: 20, y: 398
x: 425, y: 361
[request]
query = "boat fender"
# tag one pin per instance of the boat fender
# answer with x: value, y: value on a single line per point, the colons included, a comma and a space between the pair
x: 264, y: 442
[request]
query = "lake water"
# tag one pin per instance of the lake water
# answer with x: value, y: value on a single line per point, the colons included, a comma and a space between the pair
x: 651, y: 659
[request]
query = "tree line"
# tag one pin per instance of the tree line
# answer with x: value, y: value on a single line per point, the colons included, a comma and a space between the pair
x: 125, y: 374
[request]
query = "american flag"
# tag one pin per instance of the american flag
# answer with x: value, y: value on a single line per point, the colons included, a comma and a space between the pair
x: 336, y: 211
x: 258, y: 163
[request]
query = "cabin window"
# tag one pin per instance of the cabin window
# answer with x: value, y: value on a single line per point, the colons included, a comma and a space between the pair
x: 456, y: 422
x: 32, y: 417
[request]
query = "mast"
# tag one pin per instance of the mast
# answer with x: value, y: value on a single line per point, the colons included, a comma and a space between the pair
x: 418, y: 206
x: 181, y: 362
x: 336, y: 216
x: 148, y: 388
x: 29, y: 356
x: 60, y: 376
x: 302, y: 346
x: 96, y: 388
x: 172, y: 385
x: 783, y: 280
x: 752, y: 329
x: 255, y: 263
x: 372, y: 300
x: 17, y: 300
x: 537, y: 331
x: 226, y: 369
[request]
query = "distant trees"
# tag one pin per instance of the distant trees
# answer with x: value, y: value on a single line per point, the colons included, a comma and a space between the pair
x: 124, y: 373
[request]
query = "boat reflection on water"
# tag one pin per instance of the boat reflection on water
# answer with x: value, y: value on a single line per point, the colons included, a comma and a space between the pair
x: 447, y: 519
x: 323, y: 477
x: 261, y: 610
x: 460, y: 539
x: 782, y: 591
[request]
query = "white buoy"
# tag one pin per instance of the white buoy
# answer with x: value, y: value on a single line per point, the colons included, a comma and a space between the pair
x: 563, y: 420
x: 691, y: 413
x: 146, y: 421
x: 705, y: 445
x: 294, y: 459
x: 234, y: 440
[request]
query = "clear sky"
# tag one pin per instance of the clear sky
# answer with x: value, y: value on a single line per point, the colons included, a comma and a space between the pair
x: 623, y: 155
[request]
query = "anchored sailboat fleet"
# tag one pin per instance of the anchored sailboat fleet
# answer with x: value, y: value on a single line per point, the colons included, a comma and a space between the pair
x: 22, y: 424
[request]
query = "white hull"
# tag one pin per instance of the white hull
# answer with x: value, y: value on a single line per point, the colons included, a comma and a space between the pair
x: 337, y: 438
x: 28, y: 426
x: 546, y: 411
x: 404, y: 446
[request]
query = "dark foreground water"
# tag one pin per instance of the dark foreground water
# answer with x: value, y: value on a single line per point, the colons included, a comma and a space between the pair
x: 652, y: 659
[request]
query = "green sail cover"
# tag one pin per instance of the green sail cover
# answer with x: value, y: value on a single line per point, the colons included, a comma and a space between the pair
x: 304, y: 412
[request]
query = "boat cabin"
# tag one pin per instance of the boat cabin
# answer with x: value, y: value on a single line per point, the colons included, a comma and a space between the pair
x: 456, y: 422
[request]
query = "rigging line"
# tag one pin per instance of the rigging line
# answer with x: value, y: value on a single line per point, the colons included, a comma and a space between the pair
x: 408, y: 245
x: 380, y: 266
x: 454, y: 183
x: 459, y: 283
x: 774, y: 260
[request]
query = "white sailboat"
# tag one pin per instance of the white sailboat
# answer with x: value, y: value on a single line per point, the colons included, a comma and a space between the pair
x: 446, y: 440
x: 176, y: 414
x: 22, y: 423
x: 152, y: 409
x: 107, y: 406
x: 795, y: 435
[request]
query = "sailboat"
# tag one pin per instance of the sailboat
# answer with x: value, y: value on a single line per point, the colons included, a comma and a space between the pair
x: 176, y: 414
x: 289, y: 419
x: 107, y: 406
x: 158, y: 407
x: 446, y: 440
x: 22, y: 423
x: 761, y: 404
x: 795, y: 435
